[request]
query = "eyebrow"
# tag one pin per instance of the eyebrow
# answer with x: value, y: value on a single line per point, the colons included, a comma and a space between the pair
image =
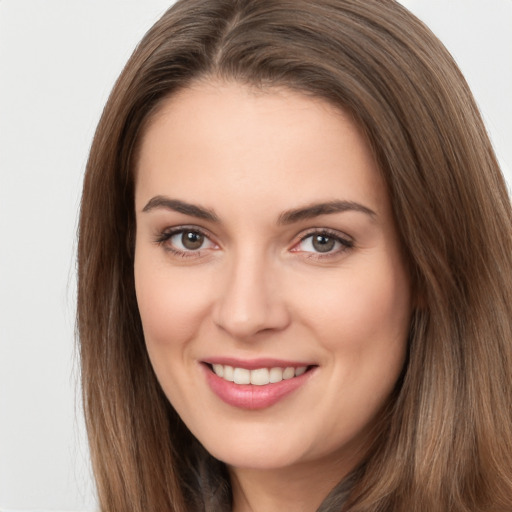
x: 285, y: 218
x: 180, y: 207
x: 317, y: 209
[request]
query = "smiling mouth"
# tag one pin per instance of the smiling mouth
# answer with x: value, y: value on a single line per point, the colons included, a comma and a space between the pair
x: 257, y: 376
x: 255, y: 384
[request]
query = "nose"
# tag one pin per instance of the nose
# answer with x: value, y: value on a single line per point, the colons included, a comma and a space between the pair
x: 250, y: 300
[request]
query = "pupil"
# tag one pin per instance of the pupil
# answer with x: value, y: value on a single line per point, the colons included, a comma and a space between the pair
x: 323, y: 243
x: 192, y: 240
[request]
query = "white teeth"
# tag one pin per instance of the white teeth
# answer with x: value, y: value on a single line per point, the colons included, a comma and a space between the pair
x: 228, y: 373
x: 276, y: 375
x: 288, y: 373
x: 242, y: 376
x: 300, y: 370
x: 218, y: 369
x: 259, y: 376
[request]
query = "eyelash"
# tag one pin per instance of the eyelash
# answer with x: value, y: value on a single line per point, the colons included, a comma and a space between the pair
x: 345, y: 243
x: 166, y: 235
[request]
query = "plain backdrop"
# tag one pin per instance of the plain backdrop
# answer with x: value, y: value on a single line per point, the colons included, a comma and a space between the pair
x: 58, y: 62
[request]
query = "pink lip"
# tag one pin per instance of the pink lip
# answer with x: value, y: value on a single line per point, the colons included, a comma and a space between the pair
x: 251, y: 397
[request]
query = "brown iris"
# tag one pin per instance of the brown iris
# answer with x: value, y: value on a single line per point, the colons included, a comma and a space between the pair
x: 323, y: 243
x: 192, y: 240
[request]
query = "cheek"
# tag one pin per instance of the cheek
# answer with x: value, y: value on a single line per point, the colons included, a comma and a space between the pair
x: 363, y: 316
x: 362, y: 323
x: 171, y: 304
x: 172, y: 307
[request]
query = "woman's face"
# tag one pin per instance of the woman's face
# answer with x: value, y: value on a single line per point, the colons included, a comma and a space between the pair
x: 271, y: 286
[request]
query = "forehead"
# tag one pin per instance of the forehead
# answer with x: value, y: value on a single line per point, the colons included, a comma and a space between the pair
x: 217, y: 137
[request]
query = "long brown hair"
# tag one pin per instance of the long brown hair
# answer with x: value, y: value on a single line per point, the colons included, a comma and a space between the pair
x: 446, y: 440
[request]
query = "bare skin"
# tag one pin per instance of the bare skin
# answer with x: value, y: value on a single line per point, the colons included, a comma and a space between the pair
x: 265, y: 238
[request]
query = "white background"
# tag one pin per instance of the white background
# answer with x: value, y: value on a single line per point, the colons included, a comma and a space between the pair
x: 58, y: 62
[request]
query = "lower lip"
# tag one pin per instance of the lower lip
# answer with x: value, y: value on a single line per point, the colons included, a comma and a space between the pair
x: 249, y: 396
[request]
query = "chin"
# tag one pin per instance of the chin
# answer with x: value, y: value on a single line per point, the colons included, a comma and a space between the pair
x: 258, y: 459
x: 254, y: 452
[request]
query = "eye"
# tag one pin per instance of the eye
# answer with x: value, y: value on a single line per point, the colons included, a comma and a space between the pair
x: 184, y: 241
x: 188, y: 240
x: 323, y: 243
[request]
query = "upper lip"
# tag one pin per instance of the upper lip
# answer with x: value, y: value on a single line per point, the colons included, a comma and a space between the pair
x: 253, y: 364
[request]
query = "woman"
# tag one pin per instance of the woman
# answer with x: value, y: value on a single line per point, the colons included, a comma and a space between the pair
x: 295, y: 278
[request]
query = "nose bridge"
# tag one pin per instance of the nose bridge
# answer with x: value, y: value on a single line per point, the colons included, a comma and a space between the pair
x: 249, y: 300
